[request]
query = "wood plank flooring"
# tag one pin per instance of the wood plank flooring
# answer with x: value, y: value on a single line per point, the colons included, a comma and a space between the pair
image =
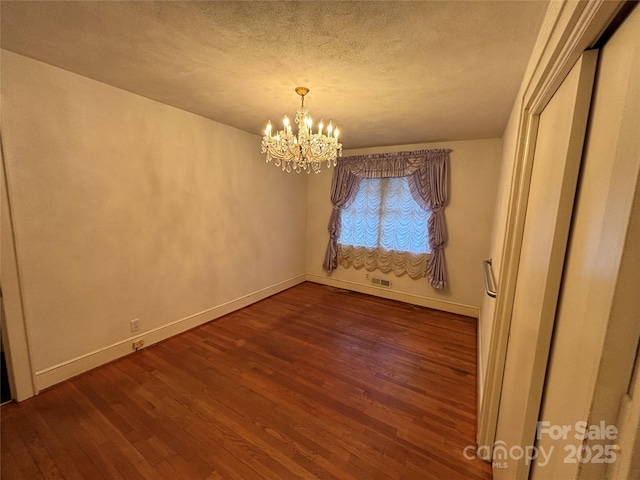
x: 313, y: 382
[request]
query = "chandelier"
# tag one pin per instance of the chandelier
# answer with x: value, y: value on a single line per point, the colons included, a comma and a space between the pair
x: 305, y: 151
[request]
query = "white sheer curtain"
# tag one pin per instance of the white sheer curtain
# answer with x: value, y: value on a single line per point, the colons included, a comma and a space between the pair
x: 361, y: 221
x: 385, y: 228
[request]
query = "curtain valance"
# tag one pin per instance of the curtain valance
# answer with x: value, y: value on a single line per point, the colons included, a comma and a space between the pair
x: 427, y: 176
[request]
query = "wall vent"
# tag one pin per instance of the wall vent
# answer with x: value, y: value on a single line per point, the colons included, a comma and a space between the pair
x: 381, y: 281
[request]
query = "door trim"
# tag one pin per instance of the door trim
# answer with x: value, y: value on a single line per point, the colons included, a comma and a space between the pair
x: 15, y: 334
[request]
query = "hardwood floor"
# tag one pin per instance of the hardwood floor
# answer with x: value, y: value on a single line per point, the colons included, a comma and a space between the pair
x: 313, y: 382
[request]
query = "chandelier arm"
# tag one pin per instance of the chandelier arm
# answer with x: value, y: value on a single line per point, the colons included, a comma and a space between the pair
x: 303, y: 151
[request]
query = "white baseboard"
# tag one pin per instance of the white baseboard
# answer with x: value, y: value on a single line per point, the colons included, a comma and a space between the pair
x: 50, y: 376
x: 434, y: 303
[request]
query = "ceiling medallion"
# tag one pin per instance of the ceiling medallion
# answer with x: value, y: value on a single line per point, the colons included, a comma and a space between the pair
x: 305, y: 151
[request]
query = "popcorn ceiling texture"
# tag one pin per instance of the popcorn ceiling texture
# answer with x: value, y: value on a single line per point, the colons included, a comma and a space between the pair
x: 387, y: 73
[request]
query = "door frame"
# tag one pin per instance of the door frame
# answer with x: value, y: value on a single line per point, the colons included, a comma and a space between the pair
x: 575, y: 27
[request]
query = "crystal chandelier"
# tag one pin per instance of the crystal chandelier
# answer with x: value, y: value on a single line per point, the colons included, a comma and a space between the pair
x: 305, y: 151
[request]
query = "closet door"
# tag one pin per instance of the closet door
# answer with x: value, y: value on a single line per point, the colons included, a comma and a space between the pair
x: 597, y: 326
x: 556, y: 164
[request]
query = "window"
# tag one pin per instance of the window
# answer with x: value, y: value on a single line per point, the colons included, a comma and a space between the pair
x: 385, y: 229
x: 385, y: 215
x: 396, y: 223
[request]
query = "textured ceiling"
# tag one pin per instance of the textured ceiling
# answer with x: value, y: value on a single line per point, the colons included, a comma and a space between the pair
x: 387, y: 73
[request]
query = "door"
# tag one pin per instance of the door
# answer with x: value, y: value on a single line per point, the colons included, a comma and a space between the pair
x: 597, y: 326
x: 626, y: 466
x: 556, y: 164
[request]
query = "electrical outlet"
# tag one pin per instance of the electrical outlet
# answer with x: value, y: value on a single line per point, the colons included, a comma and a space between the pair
x: 137, y: 344
x: 366, y: 276
x: 135, y: 325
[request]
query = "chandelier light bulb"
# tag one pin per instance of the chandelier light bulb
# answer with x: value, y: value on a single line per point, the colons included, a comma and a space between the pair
x: 305, y: 150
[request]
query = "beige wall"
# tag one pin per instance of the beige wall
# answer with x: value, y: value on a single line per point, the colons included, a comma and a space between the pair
x: 469, y: 214
x: 487, y: 306
x: 507, y: 163
x: 126, y: 208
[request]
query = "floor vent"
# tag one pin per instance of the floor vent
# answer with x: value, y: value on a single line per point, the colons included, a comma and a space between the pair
x: 381, y: 281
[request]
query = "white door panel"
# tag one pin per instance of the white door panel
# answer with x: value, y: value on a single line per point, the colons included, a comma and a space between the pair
x: 556, y: 165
